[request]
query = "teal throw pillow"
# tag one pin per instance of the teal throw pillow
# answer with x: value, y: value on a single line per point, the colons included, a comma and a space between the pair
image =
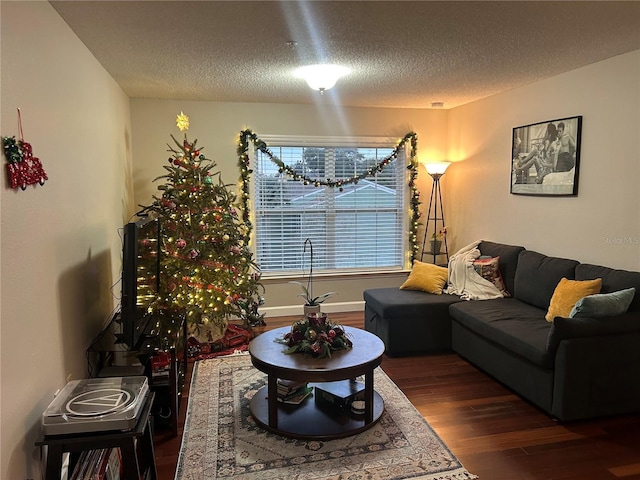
x: 603, y: 304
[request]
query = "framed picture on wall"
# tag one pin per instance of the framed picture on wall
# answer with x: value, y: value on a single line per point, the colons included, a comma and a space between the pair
x: 546, y: 157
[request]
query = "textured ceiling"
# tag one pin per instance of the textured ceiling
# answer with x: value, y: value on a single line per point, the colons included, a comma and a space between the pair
x: 402, y: 53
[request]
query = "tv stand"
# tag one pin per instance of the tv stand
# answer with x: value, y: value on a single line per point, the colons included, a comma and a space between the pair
x: 115, y: 359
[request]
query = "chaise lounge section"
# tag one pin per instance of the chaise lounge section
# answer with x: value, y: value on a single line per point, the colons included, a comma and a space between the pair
x: 572, y: 368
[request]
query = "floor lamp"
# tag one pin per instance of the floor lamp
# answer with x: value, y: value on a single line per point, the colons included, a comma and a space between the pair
x: 435, y: 213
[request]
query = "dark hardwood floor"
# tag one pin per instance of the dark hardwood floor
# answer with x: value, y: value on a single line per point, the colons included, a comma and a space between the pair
x: 495, y: 434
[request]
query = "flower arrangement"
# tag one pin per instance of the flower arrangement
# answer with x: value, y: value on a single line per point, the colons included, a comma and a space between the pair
x: 307, y: 294
x: 439, y: 235
x: 315, y: 335
x: 307, y: 290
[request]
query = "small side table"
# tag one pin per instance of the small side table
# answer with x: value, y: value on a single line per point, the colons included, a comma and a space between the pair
x: 126, y: 441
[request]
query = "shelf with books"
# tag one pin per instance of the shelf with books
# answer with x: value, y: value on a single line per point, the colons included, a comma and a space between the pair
x: 101, y: 464
x: 292, y: 392
x: 136, y: 449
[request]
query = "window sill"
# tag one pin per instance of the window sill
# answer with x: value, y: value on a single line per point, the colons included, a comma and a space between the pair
x: 271, y: 279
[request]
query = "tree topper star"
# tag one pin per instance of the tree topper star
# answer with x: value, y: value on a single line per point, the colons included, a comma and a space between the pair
x: 182, y: 121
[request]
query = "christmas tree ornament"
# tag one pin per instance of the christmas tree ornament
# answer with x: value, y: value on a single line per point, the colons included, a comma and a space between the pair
x: 23, y: 168
x: 182, y: 122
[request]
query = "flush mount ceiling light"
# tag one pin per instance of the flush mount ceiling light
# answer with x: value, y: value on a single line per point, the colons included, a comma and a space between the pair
x: 321, y: 77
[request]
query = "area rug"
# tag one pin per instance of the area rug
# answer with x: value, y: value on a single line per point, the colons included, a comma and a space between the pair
x: 222, y: 441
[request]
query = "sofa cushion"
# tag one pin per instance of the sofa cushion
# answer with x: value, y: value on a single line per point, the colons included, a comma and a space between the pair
x: 413, y: 304
x: 603, y: 304
x: 538, y: 275
x: 567, y: 293
x: 508, y: 259
x: 566, y: 328
x: 426, y: 277
x: 612, y: 280
x: 515, y: 326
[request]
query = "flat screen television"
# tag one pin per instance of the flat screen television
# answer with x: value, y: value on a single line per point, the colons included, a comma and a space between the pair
x: 140, y: 278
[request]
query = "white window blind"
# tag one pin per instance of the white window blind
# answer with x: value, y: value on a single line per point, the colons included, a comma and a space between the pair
x: 361, y: 226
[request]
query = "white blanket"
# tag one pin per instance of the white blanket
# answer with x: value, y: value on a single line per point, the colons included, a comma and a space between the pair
x: 463, y: 278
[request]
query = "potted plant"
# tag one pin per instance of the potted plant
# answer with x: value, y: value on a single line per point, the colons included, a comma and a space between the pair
x: 436, y: 240
x: 311, y: 302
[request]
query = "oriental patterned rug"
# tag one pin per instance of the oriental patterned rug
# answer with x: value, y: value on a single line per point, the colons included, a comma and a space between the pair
x: 222, y: 441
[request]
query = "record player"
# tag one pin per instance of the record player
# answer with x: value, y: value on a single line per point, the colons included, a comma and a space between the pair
x: 96, y: 404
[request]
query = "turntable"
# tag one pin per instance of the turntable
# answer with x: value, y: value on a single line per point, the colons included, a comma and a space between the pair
x: 96, y: 404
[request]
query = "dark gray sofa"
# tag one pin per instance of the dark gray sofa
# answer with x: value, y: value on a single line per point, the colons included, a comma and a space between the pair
x: 573, y: 368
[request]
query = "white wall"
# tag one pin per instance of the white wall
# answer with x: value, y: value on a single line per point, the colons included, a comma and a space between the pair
x: 60, y: 251
x: 60, y: 248
x: 217, y: 125
x: 601, y: 225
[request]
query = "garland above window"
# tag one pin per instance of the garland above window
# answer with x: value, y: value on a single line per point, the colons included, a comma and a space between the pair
x: 245, y: 173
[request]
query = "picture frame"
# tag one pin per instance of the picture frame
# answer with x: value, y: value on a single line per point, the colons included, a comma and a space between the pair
x: 545, y: 158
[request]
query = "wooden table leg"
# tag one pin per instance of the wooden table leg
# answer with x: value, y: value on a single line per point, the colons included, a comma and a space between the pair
x: 148, y: 450
x: 272, y: 401
x: 54, y: 462
x: 368, y: 397
x: 130, y: 464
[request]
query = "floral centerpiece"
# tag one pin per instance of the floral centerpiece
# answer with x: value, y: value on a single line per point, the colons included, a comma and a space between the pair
x: 315, y: 335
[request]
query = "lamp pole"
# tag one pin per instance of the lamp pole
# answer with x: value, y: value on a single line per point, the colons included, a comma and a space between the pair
x: 436, y: 171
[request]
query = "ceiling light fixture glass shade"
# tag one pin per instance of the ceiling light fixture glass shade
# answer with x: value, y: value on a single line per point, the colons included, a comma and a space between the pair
x: 436, y: 168
x: 321, y: 77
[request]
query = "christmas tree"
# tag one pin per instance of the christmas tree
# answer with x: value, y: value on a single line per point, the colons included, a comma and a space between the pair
x: 207, y: 268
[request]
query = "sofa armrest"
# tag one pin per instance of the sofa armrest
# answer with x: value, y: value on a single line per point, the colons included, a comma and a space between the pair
x: 597, y: 376
x: 567, y: 328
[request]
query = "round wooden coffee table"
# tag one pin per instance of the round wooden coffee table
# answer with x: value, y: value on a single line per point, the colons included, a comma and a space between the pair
x: 308, y: 420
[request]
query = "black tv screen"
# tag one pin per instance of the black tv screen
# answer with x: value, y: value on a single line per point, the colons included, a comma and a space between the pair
x: 140, y: 278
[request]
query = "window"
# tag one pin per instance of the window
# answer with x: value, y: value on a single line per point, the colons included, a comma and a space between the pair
x: 357, y: 226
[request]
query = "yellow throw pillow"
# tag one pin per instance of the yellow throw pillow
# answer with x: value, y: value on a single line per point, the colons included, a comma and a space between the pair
x: 567, y: 293
x: 426, y: 277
